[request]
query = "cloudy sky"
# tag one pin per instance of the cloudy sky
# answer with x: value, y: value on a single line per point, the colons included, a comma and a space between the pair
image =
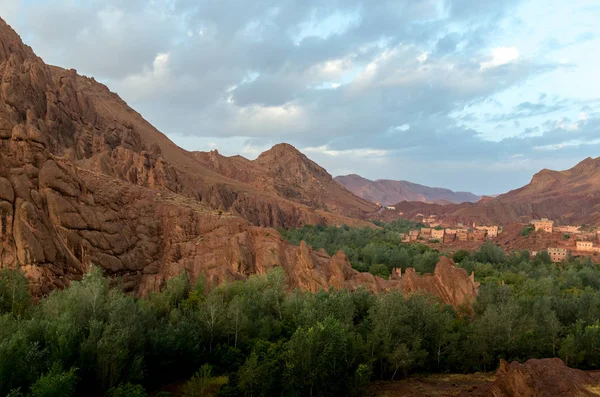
x: 471, y: 95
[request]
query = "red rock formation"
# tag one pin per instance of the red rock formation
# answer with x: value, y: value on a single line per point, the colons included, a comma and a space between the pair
x: 286, y: 172
x: 549, y: 377
x: 568, y: 197
x: 448, y: 282
x: 84, y: 180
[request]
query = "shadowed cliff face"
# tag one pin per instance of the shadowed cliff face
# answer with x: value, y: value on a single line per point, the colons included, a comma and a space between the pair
x: 84, y: 180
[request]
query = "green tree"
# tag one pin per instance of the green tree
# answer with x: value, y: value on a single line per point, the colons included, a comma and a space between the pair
x: 55, y: 383
x: 14, y: 293
x: 203, y: 384
x: 379, y: 269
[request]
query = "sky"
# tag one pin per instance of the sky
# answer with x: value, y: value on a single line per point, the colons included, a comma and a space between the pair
x: 469, y: 95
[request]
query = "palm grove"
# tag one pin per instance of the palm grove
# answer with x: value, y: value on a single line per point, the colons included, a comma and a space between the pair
x: 255, y: 338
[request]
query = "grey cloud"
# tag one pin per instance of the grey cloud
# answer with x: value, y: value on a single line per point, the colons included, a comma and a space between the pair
x: 210, y: 48
x: 530, y: 109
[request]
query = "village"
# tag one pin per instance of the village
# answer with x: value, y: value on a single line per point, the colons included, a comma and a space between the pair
x: 435, y: 232
x: 564, y: 241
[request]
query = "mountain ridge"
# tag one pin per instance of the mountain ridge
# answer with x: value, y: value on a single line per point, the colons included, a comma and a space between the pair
x: 388, y: 192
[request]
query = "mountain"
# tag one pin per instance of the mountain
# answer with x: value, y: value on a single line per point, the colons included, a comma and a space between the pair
x: 86, y: 181
x: 388, y: 192
x: 284, y: 171
x: 568, y: 197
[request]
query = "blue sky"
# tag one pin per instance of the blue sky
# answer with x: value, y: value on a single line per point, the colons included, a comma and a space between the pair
x: 469, y: 95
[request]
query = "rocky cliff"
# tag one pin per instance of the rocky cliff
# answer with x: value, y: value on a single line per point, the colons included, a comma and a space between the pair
x: 568, y: 197
x: 286, y: 172
x: 85, y: 180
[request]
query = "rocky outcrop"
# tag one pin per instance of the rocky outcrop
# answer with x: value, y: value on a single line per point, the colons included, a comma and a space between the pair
x: 451, y: 284
x: 548, y: 377
x: 85, y: 180
x: 286, y: 172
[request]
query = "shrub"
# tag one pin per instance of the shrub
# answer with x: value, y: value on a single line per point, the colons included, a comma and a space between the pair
x: 460, y: 255
x: 203, y: 384
x: 56, y: 383
x: 379, y: 269
x: 526, y: 231
x: 127, y: 390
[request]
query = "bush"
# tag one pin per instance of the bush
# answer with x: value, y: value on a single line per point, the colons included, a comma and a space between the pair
x: 526, y: 231
x: 56, y: 383
x: 460, y: 255
x: 380, y: 270
x: 203, y: 384
x: 127, y: 390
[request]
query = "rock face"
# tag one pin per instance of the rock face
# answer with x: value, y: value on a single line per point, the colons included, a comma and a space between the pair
x: 85, y: 180
x: 548, y: 377
x: 389, y: 192
x: 284, y: 171
x: 450, y: 283
x: 568, y: 197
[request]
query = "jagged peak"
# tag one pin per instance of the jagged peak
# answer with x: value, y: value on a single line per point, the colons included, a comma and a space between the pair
x: 281, y: 148
x: 11, y: 43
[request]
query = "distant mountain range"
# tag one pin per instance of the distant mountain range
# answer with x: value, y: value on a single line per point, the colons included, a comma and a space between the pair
x: 569, y: 197
x: 388, y: 192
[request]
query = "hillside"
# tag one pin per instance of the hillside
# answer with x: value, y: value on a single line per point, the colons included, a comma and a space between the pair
x: 85, y: 180
x: 286, y: 172
x: 568, y: 197
x: 388, y: 192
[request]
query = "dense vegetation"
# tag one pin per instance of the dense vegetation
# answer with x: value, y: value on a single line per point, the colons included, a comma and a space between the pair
x: 253, y: 338
x: 370, y: 250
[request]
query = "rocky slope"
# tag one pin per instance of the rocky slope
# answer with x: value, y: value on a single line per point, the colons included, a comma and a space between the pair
x: 567, y: 197
x: 547, y: 377
x: 388, y: 192
x: 84, y: 180
x: 286, y: 172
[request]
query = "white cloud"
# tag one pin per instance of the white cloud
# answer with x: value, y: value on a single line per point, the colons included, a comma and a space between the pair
x: 501, y: 56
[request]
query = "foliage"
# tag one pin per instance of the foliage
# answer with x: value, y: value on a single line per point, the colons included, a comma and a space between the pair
x: 526, y: 231
x: 460, y: 255
x: 203, y: 384
x: 367, y: 247
x: 127, y: 390
x: 56, y: 383
x: 14, y: 295
x: 262, y: 340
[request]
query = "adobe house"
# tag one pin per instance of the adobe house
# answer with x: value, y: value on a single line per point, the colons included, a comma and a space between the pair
x: 584, y: 246
x: 567, y: 229
x: 449, y: 237
x: 557, y: 254
x: 413, y: 235
x: 543, y: 224
x: 425, y: 230
x: 479, y: 234
x: 462, y: 235
x: 437, y: 234
x: 450, y: 231
x: 492, y: 231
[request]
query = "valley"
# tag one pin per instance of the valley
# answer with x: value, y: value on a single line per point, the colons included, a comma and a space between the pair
x: 132, y: 267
